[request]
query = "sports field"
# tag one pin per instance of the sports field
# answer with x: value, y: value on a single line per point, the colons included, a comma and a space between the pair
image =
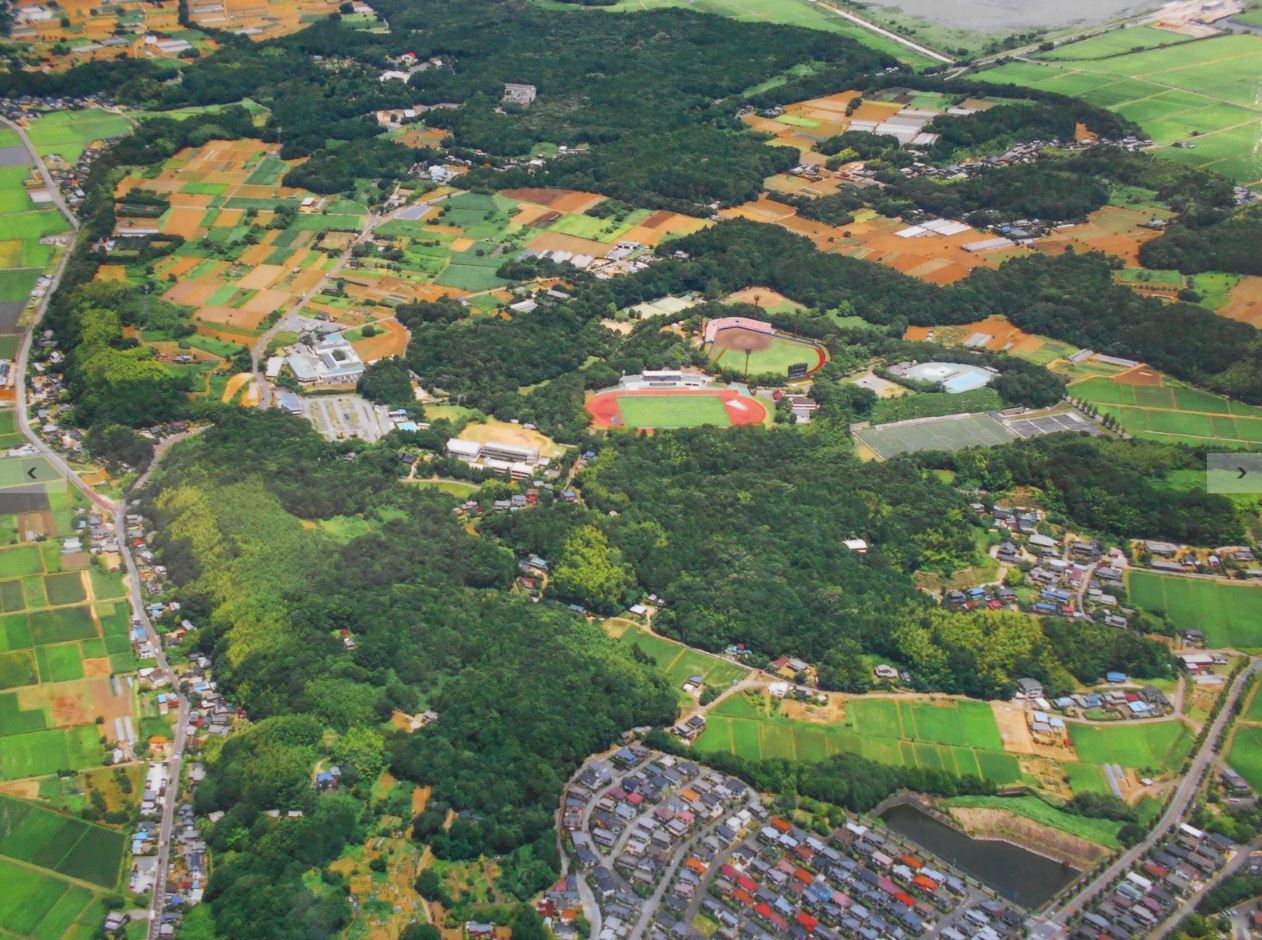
x: 952, y: 432
x: 754, y: 353
x: 1199, y: 95
x: 1158, y: 746
x: 960, y: 738
x: 1176, y: 413
x: 1229, y: 614
x: 677, y: 661
x: 664, y: 410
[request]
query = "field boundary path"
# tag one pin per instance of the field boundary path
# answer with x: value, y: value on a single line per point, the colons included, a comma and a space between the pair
x: 882, y: 31
x: 119, y: 513
x: 1053, y: 923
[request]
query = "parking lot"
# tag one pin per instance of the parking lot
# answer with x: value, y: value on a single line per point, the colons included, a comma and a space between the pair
x: 338, y: 417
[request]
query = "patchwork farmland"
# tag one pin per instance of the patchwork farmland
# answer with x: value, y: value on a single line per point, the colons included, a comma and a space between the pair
x: 676, y: 661
x: 960, y: 737
x: 1165, y: 410
x: 1230, y: 615
x: 29, y: 226
x: 1197, y: 100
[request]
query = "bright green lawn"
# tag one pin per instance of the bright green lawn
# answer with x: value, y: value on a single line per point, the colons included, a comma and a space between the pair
x: 1229, y: 614
x: 1159, y: 746
x: 672, y: 411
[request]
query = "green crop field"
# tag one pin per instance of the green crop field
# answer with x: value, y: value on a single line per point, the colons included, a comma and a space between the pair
x: 1114, y: 43
x: 678, y: 661
x: 672, y: 411
x: 68, y: 133
x: 1229, y: 614
x: 37, y: 753
x: 947, y: 433
x: 960, y: 738
x: 1246, y: 754
x: 1199, y: 95
x: 1158, y: 746
x: 1174, y: 413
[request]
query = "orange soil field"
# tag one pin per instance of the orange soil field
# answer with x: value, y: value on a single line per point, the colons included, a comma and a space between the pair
x: 656, y: 227
x: 1244, y: 302
x: 763, y: 297
x: 1112, y: 229
x: 241, y: 319
x: 562, y: 200
x: 933, y: 258
x: 393, y: 341
x: 1004, y: 337
x: 555, y: 241
x: 1139, y: 375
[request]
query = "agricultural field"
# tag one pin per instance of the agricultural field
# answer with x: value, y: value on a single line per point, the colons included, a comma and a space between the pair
x: 995, y: 334
x: 25, y: 227
x: 1165, y: 410
x: 90, y: 25
x: 1195, y: 99
x: 1229, y: 614
x: 64, y: 646
x: 676, y: 661
x: 960, y: 737
x: 1245, y: 756
x: 64, y: 135
x: 269, y: 20
x: 660, y: 410
x: 1158, y: 747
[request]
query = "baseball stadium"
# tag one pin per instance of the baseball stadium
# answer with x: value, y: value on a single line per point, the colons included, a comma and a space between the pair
x: 755, y: 347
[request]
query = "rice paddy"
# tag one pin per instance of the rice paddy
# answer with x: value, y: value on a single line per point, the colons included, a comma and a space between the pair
x: 1165, y: 410
x: 1229, y: 614
x: 677, y: 661
x: 1195, y: 99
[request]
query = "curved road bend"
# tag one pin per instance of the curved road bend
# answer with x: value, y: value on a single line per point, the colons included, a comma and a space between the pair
x: 119, y: 513
x: 1053, y: 924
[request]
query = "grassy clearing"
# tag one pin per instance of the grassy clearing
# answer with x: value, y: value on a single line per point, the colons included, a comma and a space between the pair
x: 68, y: 133
x: 1100, y: 831
x: 677, y: 661
x: 1229, y: 614
x: 776, y: 358
x: 1156, y: 746
x: 1245, y: 756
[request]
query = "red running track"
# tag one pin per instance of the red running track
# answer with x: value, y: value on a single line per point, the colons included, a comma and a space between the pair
x: 603, y: 407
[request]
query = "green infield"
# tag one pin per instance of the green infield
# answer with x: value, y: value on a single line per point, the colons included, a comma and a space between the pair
x: 672, y: 411
x: 1174, y: 413
x: 1158, y: 746
x: 1197, y: 99
x: 1245, y: 756
x: 952, y: 432
x: 777, y: 354
x: 1229, y: 614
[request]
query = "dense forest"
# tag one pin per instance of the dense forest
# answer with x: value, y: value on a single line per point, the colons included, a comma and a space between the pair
x: 523, y: 692
x: 1227, y: 244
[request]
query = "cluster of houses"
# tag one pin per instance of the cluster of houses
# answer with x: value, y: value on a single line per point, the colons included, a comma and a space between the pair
x: 706, y: 853
x: 1169, y: 558
x: 631, y: 819
x: 625, y: 257
x: 1153, y: 890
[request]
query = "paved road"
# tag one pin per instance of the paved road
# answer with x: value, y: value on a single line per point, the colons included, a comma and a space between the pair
x: 881, y: 31
x: 1053, y: 923
x: 120, y: 531
x: 43, y: 171
x: 1166, y: 927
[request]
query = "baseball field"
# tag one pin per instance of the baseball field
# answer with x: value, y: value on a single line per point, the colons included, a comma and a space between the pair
x: 755, y: 353
x: 1229, y: 614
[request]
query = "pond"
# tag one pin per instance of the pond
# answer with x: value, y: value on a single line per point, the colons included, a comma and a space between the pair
x: 1021, y: 876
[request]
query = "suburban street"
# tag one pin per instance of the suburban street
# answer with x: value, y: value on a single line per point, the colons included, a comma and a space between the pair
x: 119, y: 513
x: 1054, y: 922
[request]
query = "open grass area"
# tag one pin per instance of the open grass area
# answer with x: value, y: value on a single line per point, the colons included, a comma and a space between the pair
x: 1158, y: 746
x: 775, y: 359
x: 1229, y: 614
x: 1200, y: 96
x: 1245, y: 756
x: 1174, y: 413
x: 677, y: 661
x: 672, y: 411
x: 1100, y: 831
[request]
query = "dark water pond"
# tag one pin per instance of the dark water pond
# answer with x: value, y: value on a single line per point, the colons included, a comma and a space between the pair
x: 1019, y: 875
